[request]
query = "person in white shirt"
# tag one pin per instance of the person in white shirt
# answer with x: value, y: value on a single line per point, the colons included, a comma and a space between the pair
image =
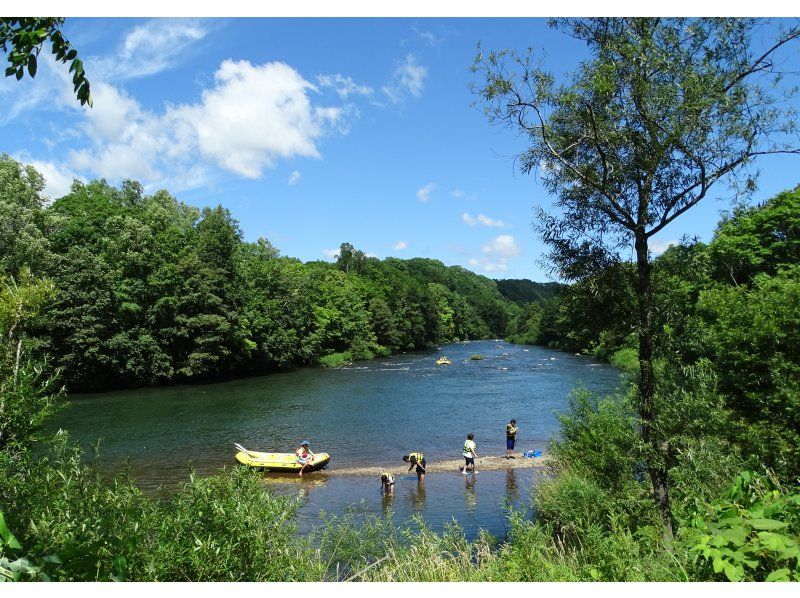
x: 469, y: 453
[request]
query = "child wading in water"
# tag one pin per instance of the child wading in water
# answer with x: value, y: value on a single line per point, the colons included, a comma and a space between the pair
x: 469, y: 453
x: 387, y: 483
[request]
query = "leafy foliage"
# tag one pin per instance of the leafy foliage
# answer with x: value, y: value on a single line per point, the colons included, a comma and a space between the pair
x: 22, y: 38
x: 752, y: 533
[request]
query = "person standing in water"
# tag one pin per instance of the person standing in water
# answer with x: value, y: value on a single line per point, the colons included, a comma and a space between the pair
x: 304, y: 456
x: 511, y: 437
x: 417, y: 459
x: 469, y: 453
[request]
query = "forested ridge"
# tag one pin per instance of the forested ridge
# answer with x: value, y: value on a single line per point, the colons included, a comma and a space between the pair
x: 149, y: 290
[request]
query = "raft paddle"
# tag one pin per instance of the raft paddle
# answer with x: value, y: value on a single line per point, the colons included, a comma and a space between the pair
x: 239, y: 447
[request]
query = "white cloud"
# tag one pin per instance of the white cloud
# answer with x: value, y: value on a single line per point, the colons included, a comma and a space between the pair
x: 155, y: 46
x: 427, y: 36
x: 657, y: 246
x: 502, y: 246
x: 457, y: 193
x: 344, y: 86
x: 400, y: 245
x: 408, y: 77
x: 330, y: 254
x: 294, y: 177
x: 50, y: 90
x: 128, y: 142
x: 253, y: 116
x: 58, y: 179
x: 496, y: 254
x: 484, y: 220
x: 114, y: 115
x: 489, y: 265
x: 424, y: 194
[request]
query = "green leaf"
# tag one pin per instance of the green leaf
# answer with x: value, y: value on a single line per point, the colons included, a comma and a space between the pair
x: 767, y: 524
x: 779, y: 575
x: 718, y: 564
x: 737, y: 535
x: 10, y: 71
x: 32, y: 65
x: 772, y: 541
x: 789, y: 553
x: 7, y: 537
x: 734, y: 572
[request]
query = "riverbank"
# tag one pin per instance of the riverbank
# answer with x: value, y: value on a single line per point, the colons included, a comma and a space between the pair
x: 487, y: 463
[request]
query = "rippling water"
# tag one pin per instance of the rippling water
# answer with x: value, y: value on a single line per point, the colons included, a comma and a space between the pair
x: 370, y: 413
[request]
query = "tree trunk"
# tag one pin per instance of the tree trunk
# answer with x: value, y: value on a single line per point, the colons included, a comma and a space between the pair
x: 656, y: 461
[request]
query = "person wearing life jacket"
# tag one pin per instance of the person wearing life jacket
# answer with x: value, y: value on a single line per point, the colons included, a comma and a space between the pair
x: 417, y: 459
x: 469, y: 453
x: 387, y: 483
x: 511, y: 437
x: 304, y: 456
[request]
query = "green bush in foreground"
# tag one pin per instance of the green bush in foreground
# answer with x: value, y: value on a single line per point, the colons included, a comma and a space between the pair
x: 220, y: 528
x: 752, y: 533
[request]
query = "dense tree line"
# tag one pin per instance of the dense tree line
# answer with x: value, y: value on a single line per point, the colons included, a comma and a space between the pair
x: 523, y: 291
x: 732, y: 304
x: 149, y: 290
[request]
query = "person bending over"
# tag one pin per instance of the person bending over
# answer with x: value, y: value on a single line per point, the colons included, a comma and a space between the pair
x: 417, y: 459
x: 387, y: 483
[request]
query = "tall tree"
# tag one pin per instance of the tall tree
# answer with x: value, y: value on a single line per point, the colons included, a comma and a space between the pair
x: 660, y: 112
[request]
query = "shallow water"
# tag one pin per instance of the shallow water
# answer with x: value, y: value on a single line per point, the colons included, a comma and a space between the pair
x: 370, y: 413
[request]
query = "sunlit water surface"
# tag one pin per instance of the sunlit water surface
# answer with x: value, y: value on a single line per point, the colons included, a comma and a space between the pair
x: 370, y: 413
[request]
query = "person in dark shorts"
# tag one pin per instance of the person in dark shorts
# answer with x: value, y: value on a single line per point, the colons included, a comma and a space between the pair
x: 417, y: 459
x: 511, y: 437
x: 469, y: 453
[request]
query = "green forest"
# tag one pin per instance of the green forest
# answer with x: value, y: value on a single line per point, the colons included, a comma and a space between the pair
x: 147, y: 290
x: 689, y: 473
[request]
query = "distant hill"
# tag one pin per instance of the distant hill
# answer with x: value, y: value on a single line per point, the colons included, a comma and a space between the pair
x: 522, y: 291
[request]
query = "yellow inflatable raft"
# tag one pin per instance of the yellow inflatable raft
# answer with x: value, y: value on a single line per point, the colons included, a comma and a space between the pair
x: 443, y: 361
x: 279, y: 461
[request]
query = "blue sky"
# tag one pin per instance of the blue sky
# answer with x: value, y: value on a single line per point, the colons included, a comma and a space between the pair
x: 312, y: 132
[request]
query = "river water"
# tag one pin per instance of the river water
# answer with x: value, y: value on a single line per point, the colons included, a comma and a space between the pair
x: 367, y: 414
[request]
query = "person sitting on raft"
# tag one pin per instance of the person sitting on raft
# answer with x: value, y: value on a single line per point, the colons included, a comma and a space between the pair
x: 417, y: 459
x: 387, y: 483
x: 304, y: 456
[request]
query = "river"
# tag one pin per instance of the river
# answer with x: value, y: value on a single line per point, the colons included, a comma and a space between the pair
x: 367, y: 414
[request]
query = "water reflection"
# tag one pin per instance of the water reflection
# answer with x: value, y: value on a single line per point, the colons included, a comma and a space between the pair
x: 470, y: 497
x: 417, y: 497
x: 512, y: 489
x: 387, y: 502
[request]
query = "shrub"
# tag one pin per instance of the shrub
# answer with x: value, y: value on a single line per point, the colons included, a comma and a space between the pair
x: 335, y: 360
x: 752, y: 533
